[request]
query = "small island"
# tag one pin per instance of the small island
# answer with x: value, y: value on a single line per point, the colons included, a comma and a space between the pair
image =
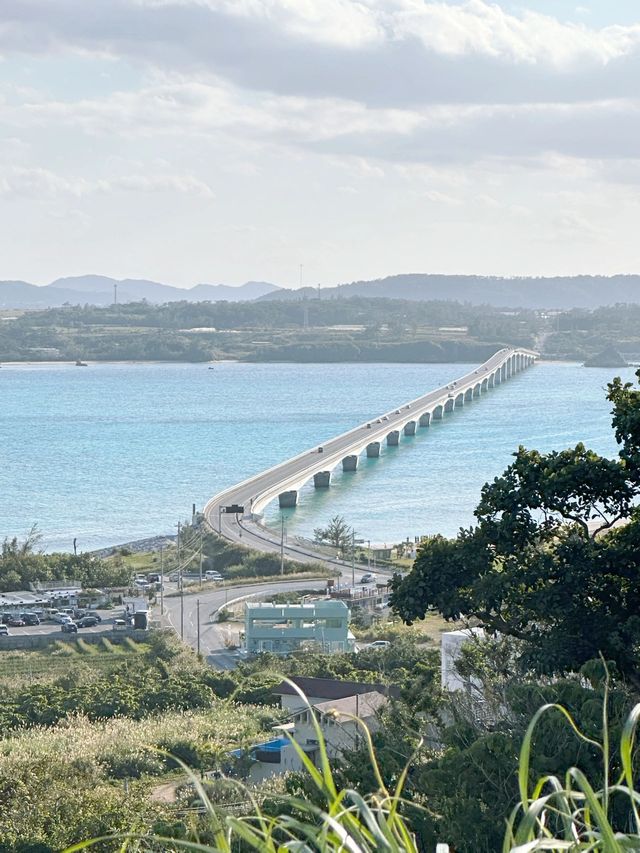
x: 609, y: 357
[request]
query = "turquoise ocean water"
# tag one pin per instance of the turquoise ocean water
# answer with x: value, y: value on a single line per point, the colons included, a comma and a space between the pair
x: 115, y: 452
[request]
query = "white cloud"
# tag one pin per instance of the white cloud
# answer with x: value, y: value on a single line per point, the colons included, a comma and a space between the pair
x: 42, y: 184
x: 318, y: 123
x: 382, y: 52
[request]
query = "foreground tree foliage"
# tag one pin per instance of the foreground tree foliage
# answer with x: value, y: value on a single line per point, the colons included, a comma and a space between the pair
x: 545, y: 563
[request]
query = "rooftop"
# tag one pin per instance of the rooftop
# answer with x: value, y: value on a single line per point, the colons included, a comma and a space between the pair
x: 332, y: 688
x: 363, y: 705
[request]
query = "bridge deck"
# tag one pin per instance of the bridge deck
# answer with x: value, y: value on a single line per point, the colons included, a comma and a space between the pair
x: 256, y: 492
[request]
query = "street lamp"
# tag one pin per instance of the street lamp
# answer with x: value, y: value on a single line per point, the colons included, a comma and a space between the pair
x: 353, y: 555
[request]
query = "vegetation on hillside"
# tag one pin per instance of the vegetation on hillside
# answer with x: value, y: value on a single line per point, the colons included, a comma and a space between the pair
x: 356, y: 329
x: 313, y: 330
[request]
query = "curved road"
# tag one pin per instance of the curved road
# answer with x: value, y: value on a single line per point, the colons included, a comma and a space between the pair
x: 256, y: 492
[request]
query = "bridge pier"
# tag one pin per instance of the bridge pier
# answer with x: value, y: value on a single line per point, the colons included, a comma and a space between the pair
x: 322, y: 480
x: 449, y: 405
x: 437, y: 413
x: 484, y: 386
x: 410, y: 428
x: 288, y: 499
x: 468, y: 395
x: 350, y: 463
x: 393, y: 438
x: 425, y: 419
x: 373, y: 450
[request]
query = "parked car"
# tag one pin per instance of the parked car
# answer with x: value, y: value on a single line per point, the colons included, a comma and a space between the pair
x: 378, y: 644
x: 30, y: 618
x: 154, y: 577
x: 69, y: 627
x: 119, y: 624
x: 87, y: 622
x: 50, y: 614
x: 4, y: 631
x: 16, y: 622
x: 213, y: 576
x: 61, y: 618
x: 369, y: 577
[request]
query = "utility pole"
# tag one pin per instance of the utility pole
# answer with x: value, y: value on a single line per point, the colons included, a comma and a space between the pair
x: 181, y: 588
x: 282, y: 547
x: 201, y: 538
x: 161, y: 581
x: 368, y: 553
x: 181, y: 613
x: 115, y: 293
x: 198, y: 612
x: 179, y: 564
x: 353, y: 557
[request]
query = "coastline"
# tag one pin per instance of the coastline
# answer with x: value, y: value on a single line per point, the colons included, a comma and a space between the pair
x: 137, y: 546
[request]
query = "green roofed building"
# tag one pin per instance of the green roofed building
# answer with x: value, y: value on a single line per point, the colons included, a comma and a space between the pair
x: 284, y: 628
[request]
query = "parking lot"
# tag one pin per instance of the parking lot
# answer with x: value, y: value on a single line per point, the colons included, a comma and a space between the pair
x: 47, y: 627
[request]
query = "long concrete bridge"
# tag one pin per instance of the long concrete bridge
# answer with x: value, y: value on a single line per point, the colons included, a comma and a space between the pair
x: 233, y: 513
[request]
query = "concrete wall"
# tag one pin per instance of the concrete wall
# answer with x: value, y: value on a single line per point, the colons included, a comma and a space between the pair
x: 40, y: 641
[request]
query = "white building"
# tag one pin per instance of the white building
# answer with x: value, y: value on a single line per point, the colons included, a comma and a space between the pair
x: 334, y: 704
x: 451, y: 646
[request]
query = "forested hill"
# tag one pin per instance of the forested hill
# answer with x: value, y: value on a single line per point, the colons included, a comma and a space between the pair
x: 559, y: 292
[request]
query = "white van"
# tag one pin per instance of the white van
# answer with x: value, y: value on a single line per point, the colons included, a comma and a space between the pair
x: 212, y: 576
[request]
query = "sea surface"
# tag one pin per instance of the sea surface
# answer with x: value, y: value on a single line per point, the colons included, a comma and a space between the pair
x: 115, y: 452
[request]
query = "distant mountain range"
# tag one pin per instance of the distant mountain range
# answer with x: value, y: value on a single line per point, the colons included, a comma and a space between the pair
x: 559, y: 292
x: 99, y: 290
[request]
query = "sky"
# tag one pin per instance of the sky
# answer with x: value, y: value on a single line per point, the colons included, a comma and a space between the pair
x: 222, y: 141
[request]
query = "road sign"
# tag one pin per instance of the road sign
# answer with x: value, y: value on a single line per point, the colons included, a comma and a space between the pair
x: 234, y: 508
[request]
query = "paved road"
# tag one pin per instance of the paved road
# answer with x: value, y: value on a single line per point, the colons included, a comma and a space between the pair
x: 256, y: 492
x: 211, y: 634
